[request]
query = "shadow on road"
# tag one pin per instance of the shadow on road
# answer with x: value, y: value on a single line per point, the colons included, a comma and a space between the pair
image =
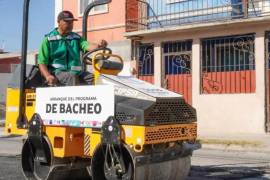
x: 236, y: 171
x: 10, y: 169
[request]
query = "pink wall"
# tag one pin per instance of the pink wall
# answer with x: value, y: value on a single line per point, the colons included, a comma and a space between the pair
x: 108, y: 34
x: 112, y: 23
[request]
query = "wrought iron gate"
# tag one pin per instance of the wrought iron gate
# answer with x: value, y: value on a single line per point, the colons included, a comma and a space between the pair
x: 228, y: 65
x: 177, y: 67
x: 146, y: 63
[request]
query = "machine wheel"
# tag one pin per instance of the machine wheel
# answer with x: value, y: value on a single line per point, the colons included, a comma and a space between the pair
x: 112, y: 162
x: 31, y: 166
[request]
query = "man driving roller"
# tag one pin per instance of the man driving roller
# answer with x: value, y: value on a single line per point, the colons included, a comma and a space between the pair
x: 59, y: 54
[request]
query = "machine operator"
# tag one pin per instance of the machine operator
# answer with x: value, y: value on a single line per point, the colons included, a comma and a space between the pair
x: 59, y: 54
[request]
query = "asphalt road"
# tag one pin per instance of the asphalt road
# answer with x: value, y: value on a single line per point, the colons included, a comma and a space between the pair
x: 206, y: 164
x: 215, y: 164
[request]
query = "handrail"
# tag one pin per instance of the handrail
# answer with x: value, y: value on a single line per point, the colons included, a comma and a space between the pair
x: 148, y: 5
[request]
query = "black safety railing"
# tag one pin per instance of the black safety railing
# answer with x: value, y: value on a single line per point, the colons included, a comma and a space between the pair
x: 152, y: 14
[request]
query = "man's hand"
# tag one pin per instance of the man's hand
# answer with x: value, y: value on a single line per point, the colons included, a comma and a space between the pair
x: 51, y: 80
x: 102, y: 44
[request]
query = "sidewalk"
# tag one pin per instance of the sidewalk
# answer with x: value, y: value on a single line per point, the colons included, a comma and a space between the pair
x: 256, y: 143
x: 9, y: 145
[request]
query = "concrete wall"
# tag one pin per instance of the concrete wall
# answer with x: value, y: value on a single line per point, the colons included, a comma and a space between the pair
x: 222, y: 113
x: 4, y: 80
x: 57, y: 9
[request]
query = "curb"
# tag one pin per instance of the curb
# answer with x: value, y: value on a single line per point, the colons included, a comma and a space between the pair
x: 10, y: 155
x: 10, y: 136
x: 232, y: 147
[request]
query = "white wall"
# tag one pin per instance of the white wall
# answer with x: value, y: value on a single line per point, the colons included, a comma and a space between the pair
x: 4, y: 80
x: 58, y: 9
x: 224, y: 113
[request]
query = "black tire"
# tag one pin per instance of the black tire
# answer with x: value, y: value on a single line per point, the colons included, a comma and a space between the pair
x: 98, y: 163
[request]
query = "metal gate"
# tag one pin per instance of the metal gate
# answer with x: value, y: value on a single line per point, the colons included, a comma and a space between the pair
x: 228, y: 65
x: 146, y: 63
x: 267, y: 78
x: 177, y: 67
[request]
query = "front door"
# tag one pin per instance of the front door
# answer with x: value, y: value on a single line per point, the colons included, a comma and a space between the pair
x: 176, y: 58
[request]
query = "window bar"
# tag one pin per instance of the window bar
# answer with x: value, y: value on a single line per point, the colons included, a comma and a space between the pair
x: 224, y: 65
x: 234, y: 65
x: 230, y: 64
x: 240, y: 49
x: 244, y: 68
x: 219, y: 78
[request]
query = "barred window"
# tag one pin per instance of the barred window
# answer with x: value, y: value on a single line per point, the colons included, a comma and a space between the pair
x: 228, y: 65
x: 146, y: 59
x: 177, y: 56
x: 177, y: 61
x: 96, y: 10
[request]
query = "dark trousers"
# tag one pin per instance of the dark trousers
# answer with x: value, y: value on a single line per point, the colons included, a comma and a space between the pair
x: 67, y: 79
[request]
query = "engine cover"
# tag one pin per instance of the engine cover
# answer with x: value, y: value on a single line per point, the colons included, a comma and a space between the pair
x: 141, y: 103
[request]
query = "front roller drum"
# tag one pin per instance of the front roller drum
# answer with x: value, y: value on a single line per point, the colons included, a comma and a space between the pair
x: 177, y: 169
x: 34, y: 167
x: 114, y: 162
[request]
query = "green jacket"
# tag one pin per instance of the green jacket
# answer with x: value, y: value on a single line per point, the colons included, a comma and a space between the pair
x: 62, y: 53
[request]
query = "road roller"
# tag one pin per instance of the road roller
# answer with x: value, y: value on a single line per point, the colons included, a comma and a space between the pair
x: 120, y: 128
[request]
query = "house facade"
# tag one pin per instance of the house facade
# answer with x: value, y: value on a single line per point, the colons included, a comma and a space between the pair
x: 214, y: 52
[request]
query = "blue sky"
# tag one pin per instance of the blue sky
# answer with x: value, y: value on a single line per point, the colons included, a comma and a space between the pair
x: 41, y: 21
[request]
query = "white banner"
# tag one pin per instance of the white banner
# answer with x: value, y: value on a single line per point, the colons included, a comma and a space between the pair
x: 77, y: 106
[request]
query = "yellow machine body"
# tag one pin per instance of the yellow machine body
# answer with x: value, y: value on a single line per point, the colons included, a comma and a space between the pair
x: 82, y: 142
x: 73, y: 141
x: 70, y: 143
x: 12, y: 110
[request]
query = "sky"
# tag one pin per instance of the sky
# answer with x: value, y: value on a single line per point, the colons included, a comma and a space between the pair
x: 41, y: 22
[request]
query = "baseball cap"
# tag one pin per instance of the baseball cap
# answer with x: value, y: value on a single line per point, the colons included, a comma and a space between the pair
x: 66, y: 16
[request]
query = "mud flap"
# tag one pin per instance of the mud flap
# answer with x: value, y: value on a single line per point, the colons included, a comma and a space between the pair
x: 35, y: 136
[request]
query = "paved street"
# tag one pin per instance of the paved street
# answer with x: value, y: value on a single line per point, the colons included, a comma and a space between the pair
x: 10, y: 168
x: 216, y: 164
x: 10, y: 145
x: 206, y: 164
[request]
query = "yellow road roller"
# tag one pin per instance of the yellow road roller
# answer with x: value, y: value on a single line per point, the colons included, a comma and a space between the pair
x: 120, y: 128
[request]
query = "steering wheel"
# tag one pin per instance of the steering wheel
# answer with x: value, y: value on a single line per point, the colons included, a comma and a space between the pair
x: 88, y: 60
